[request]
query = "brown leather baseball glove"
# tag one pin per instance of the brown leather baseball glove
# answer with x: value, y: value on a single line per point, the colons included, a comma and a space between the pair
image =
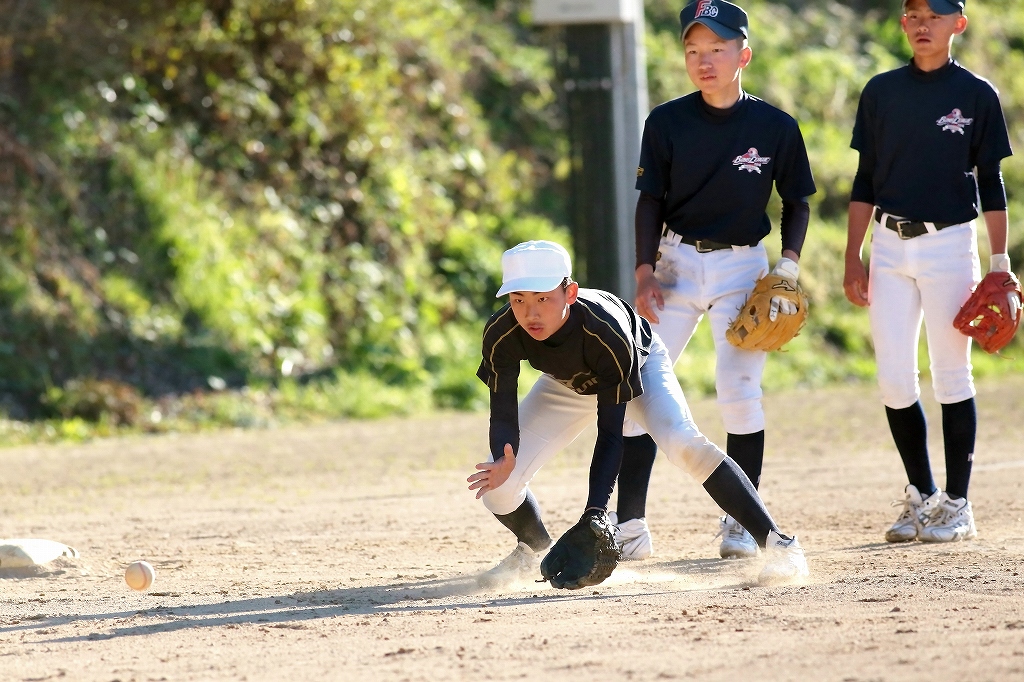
x: 773, y: 314
x: 992, y: 313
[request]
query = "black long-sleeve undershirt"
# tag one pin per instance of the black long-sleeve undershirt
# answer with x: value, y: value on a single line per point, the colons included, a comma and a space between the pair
x: 648, y: 221
x: 604, y: 467
x: 504, y: 423
x: 863, y: 189
x: 991, y: 189
x: 796, y: 216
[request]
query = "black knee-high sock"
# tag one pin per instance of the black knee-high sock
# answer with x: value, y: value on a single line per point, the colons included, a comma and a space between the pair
x: 638, y: 455
x: 734, y: 493
x: 747, y: 450
x: 959, y: 428
x: 910, y: 432
x: 526, y: 524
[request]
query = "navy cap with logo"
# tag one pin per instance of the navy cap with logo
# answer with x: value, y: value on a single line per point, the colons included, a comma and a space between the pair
x: 724, y: 18
x: 943, y: 6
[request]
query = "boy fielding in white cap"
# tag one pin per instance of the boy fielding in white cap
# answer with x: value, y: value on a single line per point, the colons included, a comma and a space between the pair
x: 600, y: 361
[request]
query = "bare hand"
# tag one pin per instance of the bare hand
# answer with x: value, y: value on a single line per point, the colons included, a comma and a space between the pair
x: 648, y: 287
x: 855, y: 282
x: 493, y: 474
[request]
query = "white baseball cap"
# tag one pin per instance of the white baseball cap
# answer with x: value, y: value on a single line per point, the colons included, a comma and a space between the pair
x: 534, y: 266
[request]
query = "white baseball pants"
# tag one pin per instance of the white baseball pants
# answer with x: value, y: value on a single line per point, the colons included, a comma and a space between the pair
x: 551, y: 416
x: 716, y: 283
x: 928, y: 277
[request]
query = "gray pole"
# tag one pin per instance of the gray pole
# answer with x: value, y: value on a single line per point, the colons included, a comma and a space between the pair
x: 630, y: 107
x: 602, y: 68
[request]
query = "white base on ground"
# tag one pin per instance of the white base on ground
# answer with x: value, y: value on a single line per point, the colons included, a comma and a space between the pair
x: 24, y: 552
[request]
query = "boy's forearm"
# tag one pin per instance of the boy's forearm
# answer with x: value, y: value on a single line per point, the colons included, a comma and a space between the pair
x: 857, y: 228
x: 997, y: 224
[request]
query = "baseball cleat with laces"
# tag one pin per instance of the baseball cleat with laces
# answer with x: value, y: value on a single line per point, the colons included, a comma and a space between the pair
x: 522, y: 565
x: 633, y: 538
x: 949, y: 521
x: 785, y: 560
x: 737, y: 543
x: 913, y: 516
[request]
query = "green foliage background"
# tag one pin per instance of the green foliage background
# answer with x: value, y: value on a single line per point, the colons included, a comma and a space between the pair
x: 240, y: 211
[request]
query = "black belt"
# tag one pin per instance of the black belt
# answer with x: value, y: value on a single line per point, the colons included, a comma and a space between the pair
x: 908, y: 229
x: 702, y: 245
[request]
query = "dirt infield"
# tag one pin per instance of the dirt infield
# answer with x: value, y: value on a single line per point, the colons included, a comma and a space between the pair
x: 347, y: 551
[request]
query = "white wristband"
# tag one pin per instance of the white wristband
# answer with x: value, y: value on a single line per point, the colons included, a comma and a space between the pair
x: 999, y: 262
x: 787, y: 267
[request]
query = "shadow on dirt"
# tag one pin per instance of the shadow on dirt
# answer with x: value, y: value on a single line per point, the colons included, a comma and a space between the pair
x: 294, y: 611
x: 25, y: 572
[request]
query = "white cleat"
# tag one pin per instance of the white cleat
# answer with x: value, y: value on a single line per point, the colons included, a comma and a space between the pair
x: 633, y: 538
x: 737, y: 543
x: 786, y: 561
x: 522, y: 565
x: 950, y: 521
x: 916, y: 509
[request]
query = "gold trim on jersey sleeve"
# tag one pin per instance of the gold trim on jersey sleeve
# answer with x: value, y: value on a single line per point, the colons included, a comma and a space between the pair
x: 494, y: 346
x: 628, y: 347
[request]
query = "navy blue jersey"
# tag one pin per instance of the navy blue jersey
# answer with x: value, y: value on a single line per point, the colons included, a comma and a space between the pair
x: 921, y: 135
x: 715, y: 172
x: 598, y: 351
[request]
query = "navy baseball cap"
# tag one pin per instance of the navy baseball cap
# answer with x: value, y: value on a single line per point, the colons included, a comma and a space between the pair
x: 943, y: 6
x: 727, y: 20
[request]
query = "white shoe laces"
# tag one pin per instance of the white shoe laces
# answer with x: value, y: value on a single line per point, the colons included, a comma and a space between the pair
x: 730, y: 530
x: 944, y: 516
x: 910, y: 510
x: 624, y: 534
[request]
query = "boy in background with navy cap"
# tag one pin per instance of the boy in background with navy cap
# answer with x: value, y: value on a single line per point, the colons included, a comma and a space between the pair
x: 931, y: 137
x: 708, y: 163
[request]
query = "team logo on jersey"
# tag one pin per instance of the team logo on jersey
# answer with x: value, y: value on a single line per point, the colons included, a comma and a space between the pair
x: 640, y: 172
x: 954, y: 122
x: 706, y: 8
x: 579, y: 382
x: 750, y: 161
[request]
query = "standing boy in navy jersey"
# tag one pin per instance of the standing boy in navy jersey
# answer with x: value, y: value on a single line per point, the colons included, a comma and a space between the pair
x: 600, y: 362
x: 708, y: 162
x: 931, y: 136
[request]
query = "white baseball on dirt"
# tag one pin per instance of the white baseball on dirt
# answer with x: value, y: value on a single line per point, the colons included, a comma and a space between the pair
x: 140, y: 575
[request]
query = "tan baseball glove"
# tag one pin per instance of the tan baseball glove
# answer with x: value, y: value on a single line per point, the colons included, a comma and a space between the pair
x: 774, y: 313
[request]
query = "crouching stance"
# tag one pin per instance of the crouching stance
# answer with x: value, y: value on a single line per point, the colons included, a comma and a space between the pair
x: 600, y: 360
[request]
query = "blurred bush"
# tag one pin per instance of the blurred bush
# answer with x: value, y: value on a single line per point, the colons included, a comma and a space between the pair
x: 110, y: 401
x: 240, y: 189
